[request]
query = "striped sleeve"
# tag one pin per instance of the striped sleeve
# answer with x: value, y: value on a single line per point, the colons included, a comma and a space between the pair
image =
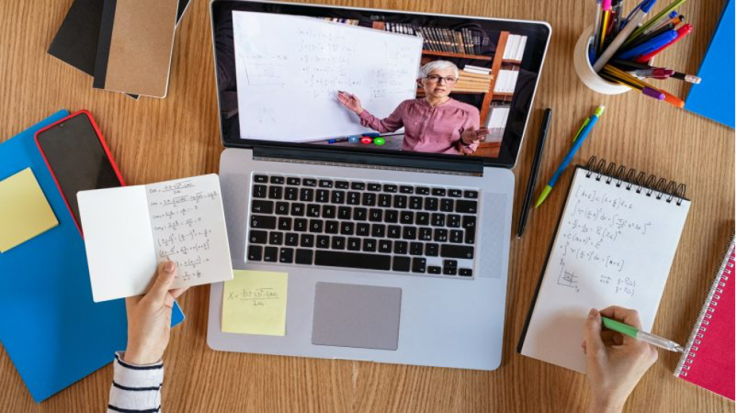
x: 135, y: 388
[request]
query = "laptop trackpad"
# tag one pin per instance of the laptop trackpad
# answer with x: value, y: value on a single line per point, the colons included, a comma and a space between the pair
x: 362, y: 316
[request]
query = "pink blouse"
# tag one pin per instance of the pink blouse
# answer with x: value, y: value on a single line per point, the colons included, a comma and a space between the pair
x: 426, y: 128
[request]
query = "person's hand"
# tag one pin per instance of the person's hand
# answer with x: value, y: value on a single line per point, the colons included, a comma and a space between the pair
x: 350, y: 101
x: 472, y: 135
x: 616, y: 362
x: 149, y: 318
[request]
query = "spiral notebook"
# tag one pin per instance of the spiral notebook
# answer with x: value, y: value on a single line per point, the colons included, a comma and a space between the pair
x: 614, y: 245
x: 708, y: 359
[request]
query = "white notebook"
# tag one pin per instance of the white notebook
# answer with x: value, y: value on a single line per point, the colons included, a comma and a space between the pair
x: 129, y: 230
x: 614, y: 245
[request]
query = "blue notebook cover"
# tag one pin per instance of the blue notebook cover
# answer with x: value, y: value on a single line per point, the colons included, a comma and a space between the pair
x: 714, y: 96
x: 53, y: 331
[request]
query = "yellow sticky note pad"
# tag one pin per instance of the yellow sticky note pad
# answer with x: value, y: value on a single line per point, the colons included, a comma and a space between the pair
x: 24, y: 211
x: 254, y: 302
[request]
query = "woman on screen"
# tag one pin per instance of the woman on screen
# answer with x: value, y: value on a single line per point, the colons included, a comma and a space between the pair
x: 436, y: 123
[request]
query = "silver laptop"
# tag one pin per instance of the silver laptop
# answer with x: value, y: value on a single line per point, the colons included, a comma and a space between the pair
x: 395, y: 234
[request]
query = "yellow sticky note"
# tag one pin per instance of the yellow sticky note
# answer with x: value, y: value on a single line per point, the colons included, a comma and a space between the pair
x: 254, y: 302
x: 24, y: 211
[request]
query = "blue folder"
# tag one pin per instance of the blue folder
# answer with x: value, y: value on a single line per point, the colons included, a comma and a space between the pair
x: 714, y: 96
x: 53, y: 331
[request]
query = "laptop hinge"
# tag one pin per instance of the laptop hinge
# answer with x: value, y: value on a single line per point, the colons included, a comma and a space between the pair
x: 368, y: 160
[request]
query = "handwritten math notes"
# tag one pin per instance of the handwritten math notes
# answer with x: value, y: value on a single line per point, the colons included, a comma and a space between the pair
x: 254, y: 302
x: 613, y: 247
x: 130, y: 230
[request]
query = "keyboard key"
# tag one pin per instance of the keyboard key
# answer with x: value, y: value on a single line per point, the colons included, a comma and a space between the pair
x: 291, y: 194
x: 255, y: 252
x: 471, y: 194
x: 309, y: 182
x: 374, y: 187
x: 369, y: 199
x: 293, y: 181
x: 275, y: 192
x: 306, y: 194
x: 385, y: 246
x: 470, y: 235
x: 410, y: 233
x: 352, y: 260
x: 325, y: 183
x: 456, y: 251
x: 282, y: 208
x: 263, y: 222
x: 431, y: 204
x: 342, y: 185
x: 402, y: 264
x: 328, y: 211
x: 353, y: 198
x: 384, y: 200
x: 455, y: 193
x: 418, y: 265
x: 258, y: 237
x: 369, y: 245
x: 277, y: 180
x: 447, y: 205
x: 431, y: 249
x: 438, y: 220
x: 415, y: 202
x: 291, y: 239
x: 323, y: 196
x: 425, y: 234
x: 315, y: 226
x: 466, y: 207
x: 360, y: 214
x: 391, y: 216
x: 456, y: 236
x: 347, y: 228
x: 449, y: 271
x: 363, y: 229
x: 438, y: 191
x: 358, y: 186
x: 261, y: 207
x: 407, y: 217
x: 260, y: 179
x: 323, y: 241
x: 401, y: 247
x: 286, y: 256
x: 375, y: 215
x: 453, y: 221
x: 353, y: 244
x: 378, y: 231
x: 440, y: 235
x: 338, y: 197
x: 301, y: 225
x: 270, y: 254
x: 307, y: 241
x: 468, y: 222
x: 449, y: 263
x: 400, y: 201
x: 276, y: 238
x: 422, y: 218
x: 297, y: 209
x: 304, y: 257
x: 338, y: 243
x: 285, y: 224
x: 466, y: 272
x: 259, y: 191
x: 434, y: 270
x: 332, y: 227
x: 344, y: 213
x: 416, y: 248
x: 390, y: 188
x: 394, y: 231
x: 422, y: 190
x: 406, y: 189
x: 313, y: 210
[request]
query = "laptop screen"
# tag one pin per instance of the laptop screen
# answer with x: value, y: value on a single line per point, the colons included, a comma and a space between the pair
x: 375, y: 81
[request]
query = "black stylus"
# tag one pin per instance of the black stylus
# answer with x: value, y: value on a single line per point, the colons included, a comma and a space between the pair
x: 533, y: 174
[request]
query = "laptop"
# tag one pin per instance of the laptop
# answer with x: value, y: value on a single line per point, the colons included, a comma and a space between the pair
x: 394, y: 230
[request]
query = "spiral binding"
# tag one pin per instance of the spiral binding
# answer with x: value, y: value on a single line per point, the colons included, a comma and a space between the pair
x: 706, y: 313
x: 640, y: 182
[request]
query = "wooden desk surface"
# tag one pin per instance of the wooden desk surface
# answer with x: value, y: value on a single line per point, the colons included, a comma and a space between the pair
x: 154, y: 140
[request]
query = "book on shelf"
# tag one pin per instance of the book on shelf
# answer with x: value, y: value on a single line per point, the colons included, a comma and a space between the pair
x: 477, y: 69
x: 515, y: 45
x: 438, y: 39
x: 506, y: 81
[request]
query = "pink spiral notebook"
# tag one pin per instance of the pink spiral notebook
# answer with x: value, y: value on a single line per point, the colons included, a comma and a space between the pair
x: 708, y: 360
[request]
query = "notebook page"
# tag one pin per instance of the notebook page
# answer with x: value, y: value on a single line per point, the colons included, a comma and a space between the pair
x: 188, y: 226
x: 613, y: 247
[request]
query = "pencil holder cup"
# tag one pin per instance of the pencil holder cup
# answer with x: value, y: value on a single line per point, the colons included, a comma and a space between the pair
x: 585, y: 71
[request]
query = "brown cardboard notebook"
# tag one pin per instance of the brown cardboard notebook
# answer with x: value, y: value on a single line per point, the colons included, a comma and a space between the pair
x: 135, y: 46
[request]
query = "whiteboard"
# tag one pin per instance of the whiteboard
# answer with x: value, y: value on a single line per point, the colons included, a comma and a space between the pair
x: 290, y: 68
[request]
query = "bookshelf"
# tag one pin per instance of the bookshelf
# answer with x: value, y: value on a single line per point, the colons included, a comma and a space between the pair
x: 455, y: 55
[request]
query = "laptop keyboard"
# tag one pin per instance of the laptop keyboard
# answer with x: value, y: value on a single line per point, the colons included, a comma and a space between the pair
x: 362, y: 224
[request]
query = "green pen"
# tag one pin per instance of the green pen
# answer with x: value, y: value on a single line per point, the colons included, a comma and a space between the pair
x: 641, y: 335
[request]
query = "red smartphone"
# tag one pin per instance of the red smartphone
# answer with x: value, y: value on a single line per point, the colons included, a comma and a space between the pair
x: 78, y: 158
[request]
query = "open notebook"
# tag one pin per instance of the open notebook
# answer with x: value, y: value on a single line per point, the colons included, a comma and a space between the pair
x: 614, y: 246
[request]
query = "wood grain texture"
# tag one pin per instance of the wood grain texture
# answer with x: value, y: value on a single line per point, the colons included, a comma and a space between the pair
x: 154, y: 140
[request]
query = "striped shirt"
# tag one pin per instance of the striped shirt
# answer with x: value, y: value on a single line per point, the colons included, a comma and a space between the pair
x: 135, y: 388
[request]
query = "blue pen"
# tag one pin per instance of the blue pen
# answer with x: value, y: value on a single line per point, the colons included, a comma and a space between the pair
x: 578, y: 142
x: 648, y: 46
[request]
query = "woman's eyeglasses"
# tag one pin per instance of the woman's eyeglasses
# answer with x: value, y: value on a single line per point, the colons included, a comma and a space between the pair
x: 436, y: 79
